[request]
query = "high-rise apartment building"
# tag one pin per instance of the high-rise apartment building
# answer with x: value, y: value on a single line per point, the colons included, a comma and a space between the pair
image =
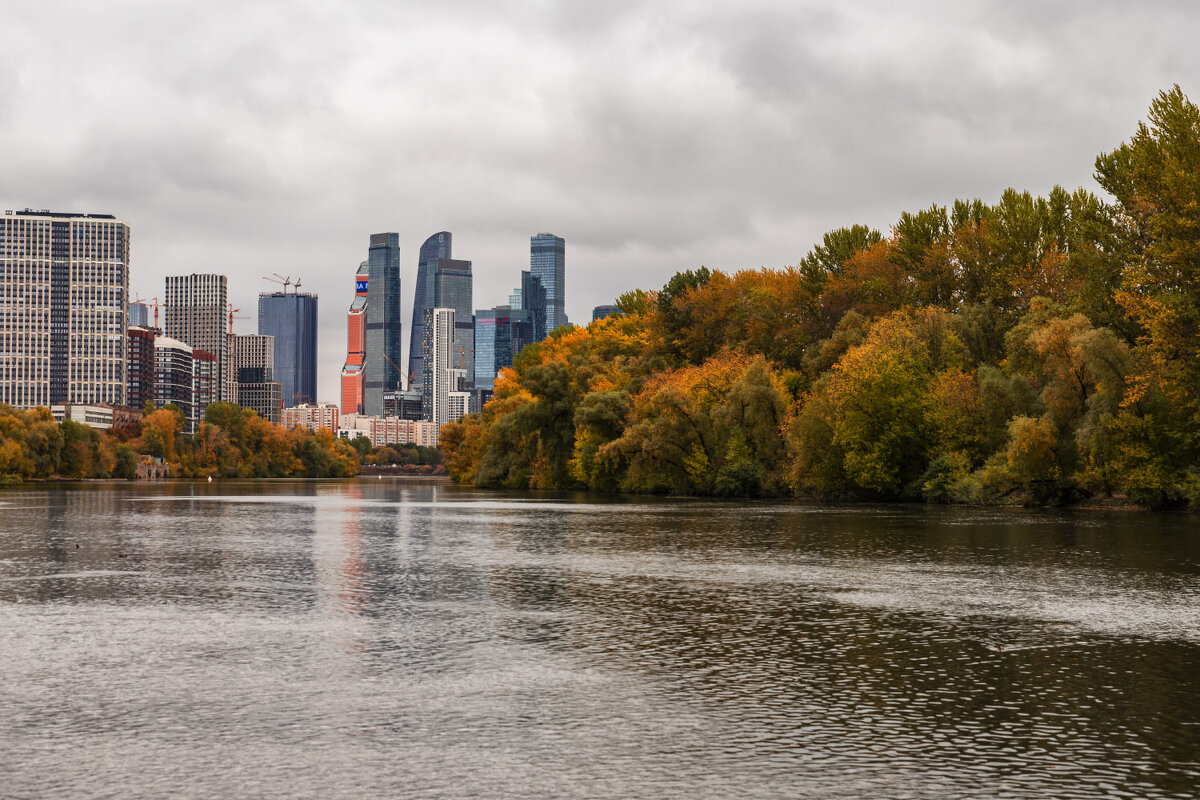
x: 381, y: 368
x: 64, y: 298
x: 548, y: 263
x: 356, y: 329
x: 437, y: 349
x: 140, y: 384
x: 435, y: 248
x: 196, y: 307
x: 291, y: 317
x: 174, y: 369
x: 207, y: 379
x: 500, y: 333
x: 254, y: 372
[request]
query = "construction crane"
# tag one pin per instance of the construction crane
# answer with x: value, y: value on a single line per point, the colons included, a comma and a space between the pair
x: 283, y: 280
x: 151, y: 302
x: 232, y: 311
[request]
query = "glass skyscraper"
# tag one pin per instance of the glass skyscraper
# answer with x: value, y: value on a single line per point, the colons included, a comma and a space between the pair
x: 384, y: 346
x: 500, y: 333
x: 291, y: 317
x: 548, y: 263
x: 452, y: 288
x: 436, y: 247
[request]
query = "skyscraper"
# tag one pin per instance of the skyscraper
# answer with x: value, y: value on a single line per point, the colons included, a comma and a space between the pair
x: 435, y: 247
x: 381, y: 369
x: 452, y: 289
x: 64, y: 298
x: 139, y: 314
x: 437, y: 345
x: 352, y: 370
x: 140, y: 383
x: 291, y: 317
x: 548, y: 263
x: 500, y: 333
x: 254, y: 370
x: 196, y: 307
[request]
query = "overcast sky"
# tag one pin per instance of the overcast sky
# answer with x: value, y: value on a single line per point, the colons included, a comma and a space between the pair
x: 256, y: 137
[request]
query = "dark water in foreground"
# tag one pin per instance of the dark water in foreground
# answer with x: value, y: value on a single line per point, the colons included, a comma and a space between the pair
x: 390, y: 638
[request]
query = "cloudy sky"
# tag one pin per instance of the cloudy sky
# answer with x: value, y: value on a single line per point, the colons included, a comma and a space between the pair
x: 253, y: 138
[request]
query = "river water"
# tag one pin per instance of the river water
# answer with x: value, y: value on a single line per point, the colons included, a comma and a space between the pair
x: 392, y: 638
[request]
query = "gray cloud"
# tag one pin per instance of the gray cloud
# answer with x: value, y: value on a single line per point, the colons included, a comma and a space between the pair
x: 275, y: 137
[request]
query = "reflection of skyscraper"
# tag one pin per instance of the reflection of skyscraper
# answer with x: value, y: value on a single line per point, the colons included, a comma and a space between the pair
x: 352, y: 371
x: 548, y: 263
x: 381, y: 368
x: 291, y: 317
x: 435, y: 247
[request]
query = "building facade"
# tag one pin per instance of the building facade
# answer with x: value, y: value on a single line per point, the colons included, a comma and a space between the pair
x: 64, y: 300
x: 388, y: 430
x: 453, y: 289
x: 291, y: 317
x: 548, y: 263
x: 437, y: 349
x: 196, y: 306
x: 174, y: 367
x: 254, y: 373
x: 313, y: 416
x: 381, y: 367
x: 500, y: 333
x: 206, y: 385
x: 139, y: 388
x: 356, y: 322
x: 435, y: 248
x: 139, y: 314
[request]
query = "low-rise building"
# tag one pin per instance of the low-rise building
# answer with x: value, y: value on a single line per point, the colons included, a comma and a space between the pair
x: 388, y: 430
x: 311, y: 415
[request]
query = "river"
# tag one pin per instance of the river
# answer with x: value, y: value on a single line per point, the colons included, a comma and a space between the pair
x: 406, y: 638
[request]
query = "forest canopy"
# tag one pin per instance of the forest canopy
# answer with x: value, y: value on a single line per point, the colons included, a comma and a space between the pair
x: 1034, y: 350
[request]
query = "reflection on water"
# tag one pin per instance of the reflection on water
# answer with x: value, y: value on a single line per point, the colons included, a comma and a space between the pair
x: 359, y: 638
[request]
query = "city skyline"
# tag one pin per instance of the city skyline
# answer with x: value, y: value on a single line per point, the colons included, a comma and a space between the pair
x: 653, y: 137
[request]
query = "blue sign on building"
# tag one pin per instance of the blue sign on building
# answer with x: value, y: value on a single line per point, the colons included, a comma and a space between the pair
x: 360, y: 286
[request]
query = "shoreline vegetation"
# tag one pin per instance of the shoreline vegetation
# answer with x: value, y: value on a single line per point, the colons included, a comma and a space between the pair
x: 1041, y: 350
x: 231, y: 442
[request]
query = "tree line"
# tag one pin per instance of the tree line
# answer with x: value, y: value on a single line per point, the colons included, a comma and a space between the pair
x: 1034, y: 350
x: 231, y: 442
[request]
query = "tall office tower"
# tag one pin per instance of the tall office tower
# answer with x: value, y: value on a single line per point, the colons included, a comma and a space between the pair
x: 139, y: 314
x: 452, y: 289
x: 174, y: 370
x: 381, y: 367
x: 291, y: 317
x: 436, y: 247
x: 533, y: 301
x: 64, y: 299
x: 140, y: 384
x: 548, y: 263
x: 437, y: 350
x: 352, y: 370
x: 254, y: 370
x: 196, y: 309
x: 500, y: 333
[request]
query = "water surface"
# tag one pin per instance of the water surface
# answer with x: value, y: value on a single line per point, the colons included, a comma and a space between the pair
x: 407, y: 638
